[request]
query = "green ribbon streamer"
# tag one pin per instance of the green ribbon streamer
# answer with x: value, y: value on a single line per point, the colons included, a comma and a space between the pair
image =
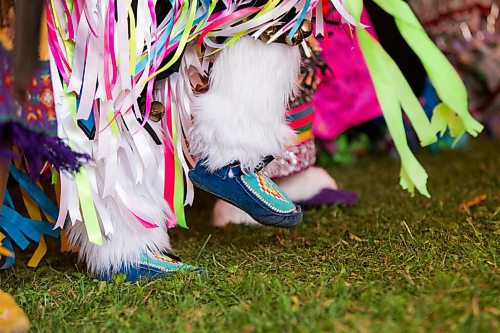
x: 112, y: 123
x: 445, y: 79
x: 444, y: 118
x: 89, y: 213
x: 55, y: 176
x: 87, y: 206
x: 179, y: 175
x: 395, y: 94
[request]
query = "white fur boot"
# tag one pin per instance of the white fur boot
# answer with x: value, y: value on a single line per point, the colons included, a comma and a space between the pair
x: 133, y: 197
x: 242, y: 116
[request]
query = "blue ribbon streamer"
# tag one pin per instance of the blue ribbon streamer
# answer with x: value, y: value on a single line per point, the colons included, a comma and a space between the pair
x: 35, y: 193
x: 297, y: 24
x: 9, y: 261
x: 163, y: 39
x: 22, y: 230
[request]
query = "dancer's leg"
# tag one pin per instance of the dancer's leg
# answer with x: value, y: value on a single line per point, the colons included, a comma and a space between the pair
x: 240, y: 121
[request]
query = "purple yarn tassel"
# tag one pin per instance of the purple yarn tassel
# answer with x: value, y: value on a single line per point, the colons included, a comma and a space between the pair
x: 39, y: 148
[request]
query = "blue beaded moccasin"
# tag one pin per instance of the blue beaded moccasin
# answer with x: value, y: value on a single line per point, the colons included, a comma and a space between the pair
x: 152, y: 266
x: 254, y: 193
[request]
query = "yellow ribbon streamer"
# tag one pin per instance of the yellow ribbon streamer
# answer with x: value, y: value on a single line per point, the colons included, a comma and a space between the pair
x: 112, y: 123
x: 40, y: 252
x: 3, y: 251
x: 132, y: 42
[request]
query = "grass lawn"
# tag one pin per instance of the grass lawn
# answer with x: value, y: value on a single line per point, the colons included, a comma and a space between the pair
x: 391, y: 264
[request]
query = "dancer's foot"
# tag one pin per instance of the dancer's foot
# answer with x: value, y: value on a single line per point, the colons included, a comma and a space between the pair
x: 153, y: 266
x: 12, y: 317
x: 224, y: 213
x: 254, y: 193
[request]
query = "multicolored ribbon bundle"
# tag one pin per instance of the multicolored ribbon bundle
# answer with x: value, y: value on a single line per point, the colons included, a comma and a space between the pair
x: 105, y: 53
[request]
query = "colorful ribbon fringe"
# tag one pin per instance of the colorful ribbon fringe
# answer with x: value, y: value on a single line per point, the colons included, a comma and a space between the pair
x: 107, y: 55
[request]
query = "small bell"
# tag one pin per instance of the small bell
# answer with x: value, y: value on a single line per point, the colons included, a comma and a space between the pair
x: 306, y: 28
x: 304, y: 31
x: 157, y: 111
x: 268, y: 34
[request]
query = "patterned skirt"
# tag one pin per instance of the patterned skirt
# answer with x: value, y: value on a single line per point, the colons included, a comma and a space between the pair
x: 28, y: 135
x: 32, y: 127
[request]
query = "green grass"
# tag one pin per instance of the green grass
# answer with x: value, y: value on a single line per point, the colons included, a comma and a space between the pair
x: 391, y: 264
